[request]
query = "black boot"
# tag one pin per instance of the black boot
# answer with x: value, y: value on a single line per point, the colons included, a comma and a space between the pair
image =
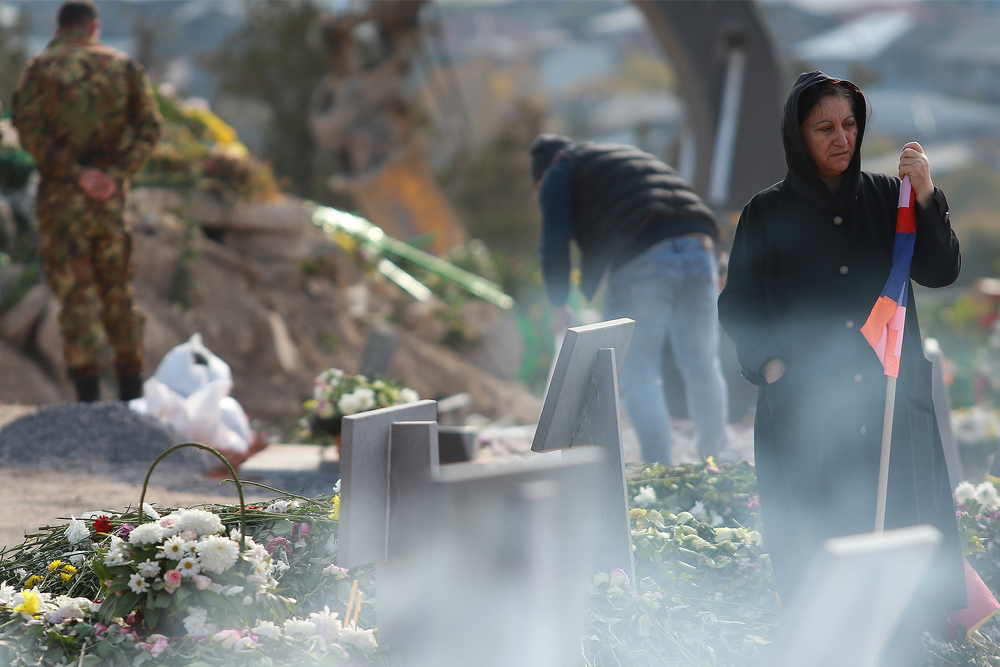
x: 88, y: 389
x: 129, y: 387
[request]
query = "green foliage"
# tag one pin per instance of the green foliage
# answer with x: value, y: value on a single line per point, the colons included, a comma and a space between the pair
x: 277, y: 57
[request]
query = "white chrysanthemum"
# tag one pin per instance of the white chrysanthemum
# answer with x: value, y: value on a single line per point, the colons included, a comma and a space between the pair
x: 267, y: 630
x: 148, y: 510
x: 66, y: 608
x: 138, y: 583
x: 349, y: 404
x: 336, y: 487
x: 283, y: 506
x: 365, y: 397
x: 407, y: 395
x: 173, y: 548
x: 116, y: 553
x: 76, y: 531
x: 169, y: 525
x: 6, y: 593
x: 196, y: 623
x: 646, y: 496
x: 200, y: 521
x: 358, y: 638
x: 217, y: 554
x: 189, y: 566
x: 148, y: 568
x: 230, y: 591
x: 328, y: 625
x: 147, y: 533
x: 296, y: 628
x: 986, y: 494
x: 76, y: 559
x: 698, y: 512
x: 965, y: 491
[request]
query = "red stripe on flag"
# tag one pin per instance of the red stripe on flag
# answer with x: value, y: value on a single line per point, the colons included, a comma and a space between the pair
x: 906, y: 219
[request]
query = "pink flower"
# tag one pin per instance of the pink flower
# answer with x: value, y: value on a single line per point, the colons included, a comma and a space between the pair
x: 201, y: 582
x: 227, y: 638
x: 336, y: 571
x: 99, y: 629
x: 754, y: 504
x: 171, y: 580
x: 189, y: 535
x: 712, y: 470
x: 618, y: 577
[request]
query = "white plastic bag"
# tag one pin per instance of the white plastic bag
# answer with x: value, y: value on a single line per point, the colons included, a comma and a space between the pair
x: 190, y: 393
x: 191, y: 366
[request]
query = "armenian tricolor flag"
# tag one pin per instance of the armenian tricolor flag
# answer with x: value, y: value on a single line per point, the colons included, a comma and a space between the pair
x: 884, y: 328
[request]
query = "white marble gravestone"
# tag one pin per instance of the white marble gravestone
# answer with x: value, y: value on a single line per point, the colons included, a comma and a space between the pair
x: 500, y: 573
x: 582, y: 408
x: 855, y: 592
x: 364, y: 478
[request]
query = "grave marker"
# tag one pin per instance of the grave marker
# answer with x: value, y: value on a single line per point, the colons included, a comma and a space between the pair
x: 582, y: 408
x: 499, y: 577
x: 380, y: 350
x: 364, y: 474
x: 942, y: 410
x: 858, y: 588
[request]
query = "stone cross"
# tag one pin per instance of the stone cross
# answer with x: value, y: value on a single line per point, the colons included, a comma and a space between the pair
x: 498, y: 577
x: 364, y: 475
x: 582, y: 408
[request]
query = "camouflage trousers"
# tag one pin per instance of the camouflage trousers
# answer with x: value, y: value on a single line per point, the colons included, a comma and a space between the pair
x: 86, y: 250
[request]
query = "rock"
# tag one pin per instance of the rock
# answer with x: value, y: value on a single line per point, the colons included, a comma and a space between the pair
x: 50, y: 343
x: 18, y: 324
x: 284, y: 346
x: 23, y: 381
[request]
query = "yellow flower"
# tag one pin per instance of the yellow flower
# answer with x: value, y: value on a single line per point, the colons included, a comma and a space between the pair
x: 68, y: 568
x: 637, y: 514
x: 30, y: 604
x: 54, y: 564
x: 32, y: 580
x: 710, y: 461
x: 335, y: 512
x: 65, y: 576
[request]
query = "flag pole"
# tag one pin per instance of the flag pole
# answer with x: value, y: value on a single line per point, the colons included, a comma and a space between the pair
x: 883, y: 468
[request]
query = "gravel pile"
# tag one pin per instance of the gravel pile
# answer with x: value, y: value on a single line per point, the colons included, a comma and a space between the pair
x: 100, y: 438
x: 107, y: 438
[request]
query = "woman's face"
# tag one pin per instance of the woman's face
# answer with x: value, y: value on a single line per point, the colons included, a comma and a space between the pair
x: 829, y: 133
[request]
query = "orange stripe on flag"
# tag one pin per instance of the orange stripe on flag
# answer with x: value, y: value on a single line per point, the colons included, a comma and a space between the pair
x: 881, y: 313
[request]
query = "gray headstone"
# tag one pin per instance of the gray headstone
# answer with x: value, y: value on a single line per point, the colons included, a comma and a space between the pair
x: 570, y: 381
x: 582, y: 408
x: 380, y: 350
x: 413, y: 462
x: 364, y: 474
x: 500, y: 576
x: 456, y: 444
x: 858, y: 588
x: 942, y: 410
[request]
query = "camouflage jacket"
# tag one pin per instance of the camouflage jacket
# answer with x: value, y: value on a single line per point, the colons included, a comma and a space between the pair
x: 83, y: 104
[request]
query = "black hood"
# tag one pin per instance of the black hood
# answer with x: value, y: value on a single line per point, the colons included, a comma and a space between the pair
x: 802, y: 176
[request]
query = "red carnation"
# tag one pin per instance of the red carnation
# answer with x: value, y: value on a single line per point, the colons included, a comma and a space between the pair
x: 102, y: 525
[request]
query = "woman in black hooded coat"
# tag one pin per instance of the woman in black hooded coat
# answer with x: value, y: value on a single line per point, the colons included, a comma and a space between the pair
x: 808, y: 262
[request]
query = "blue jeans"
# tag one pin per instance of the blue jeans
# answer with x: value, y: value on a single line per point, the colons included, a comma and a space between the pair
x: 671, y: 290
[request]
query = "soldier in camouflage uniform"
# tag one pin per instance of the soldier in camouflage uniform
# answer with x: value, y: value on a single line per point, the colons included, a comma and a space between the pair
x: 87, y: 114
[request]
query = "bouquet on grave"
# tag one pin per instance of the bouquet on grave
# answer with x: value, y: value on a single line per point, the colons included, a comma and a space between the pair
x: 183, y: 569
x: 337, y: 394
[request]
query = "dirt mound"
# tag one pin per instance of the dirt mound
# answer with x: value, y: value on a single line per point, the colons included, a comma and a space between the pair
x: 274, y: 297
